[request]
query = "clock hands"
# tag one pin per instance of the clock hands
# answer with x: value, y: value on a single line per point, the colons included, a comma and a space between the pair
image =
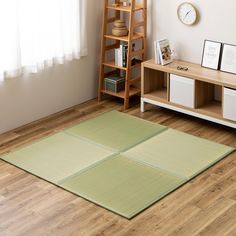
x: 187, y: 14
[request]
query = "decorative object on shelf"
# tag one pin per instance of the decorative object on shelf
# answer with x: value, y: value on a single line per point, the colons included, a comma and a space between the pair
x: 115, y: 84
x: 174, y: 54
x: 211, y: 54
x: 182, y: 68
x: 119, y: 24
x: 120, y: 29
x: 228, y: 61
x: 120, y: 32
x: 187, y: 13
x: 126, y: 33
x: 163, y: 51
x: 126, y: 3
x: 115, y: 4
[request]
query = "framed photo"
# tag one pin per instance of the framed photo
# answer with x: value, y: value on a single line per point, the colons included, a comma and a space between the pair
x: 211, y: 54
x: 164, y: 51
x: 228, y: 60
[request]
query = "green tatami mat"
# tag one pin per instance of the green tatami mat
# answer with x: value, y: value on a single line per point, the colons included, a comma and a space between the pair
x: 122, y: 185
x: 116, y: 130
x: 57, y: 157
x: 179, y: 153
x: 119, y: 162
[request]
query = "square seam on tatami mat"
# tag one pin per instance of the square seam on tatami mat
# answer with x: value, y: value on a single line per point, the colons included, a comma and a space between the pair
x: 179, y: 153
x: 116, y: 130
x: 57, y: 157
x: 123, y: 185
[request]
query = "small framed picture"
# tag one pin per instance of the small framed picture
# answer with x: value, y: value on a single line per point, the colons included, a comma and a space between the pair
x: 211, y: 54
x: 228, y: 60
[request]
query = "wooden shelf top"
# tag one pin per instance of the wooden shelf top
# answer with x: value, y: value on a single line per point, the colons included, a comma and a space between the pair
x: 195, y: 71
x: 160, y: 94
x: 133, y: 91
x: 213, y: 108
x: 138, y: 7
x: 113, y: 65
x: 124, y: 38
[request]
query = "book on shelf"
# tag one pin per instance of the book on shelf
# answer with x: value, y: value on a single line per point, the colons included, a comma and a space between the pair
x: 121, y: 55
x: 124, y: 51
x: 156, y: 53
x: 162, y: 50
x: 118, y: 59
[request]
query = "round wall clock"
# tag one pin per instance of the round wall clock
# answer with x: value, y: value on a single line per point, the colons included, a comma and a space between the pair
x: 187, y: 13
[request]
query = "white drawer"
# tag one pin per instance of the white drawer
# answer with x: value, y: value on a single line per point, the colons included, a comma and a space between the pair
x: 182, y: 90
x: 229, y: 106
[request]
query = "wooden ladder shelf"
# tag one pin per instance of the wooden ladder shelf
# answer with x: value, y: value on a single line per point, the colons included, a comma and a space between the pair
x: 132, y: 86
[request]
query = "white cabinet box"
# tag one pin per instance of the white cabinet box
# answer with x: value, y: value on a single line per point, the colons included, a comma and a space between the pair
x: 229, y: 106
x: 182, y: 90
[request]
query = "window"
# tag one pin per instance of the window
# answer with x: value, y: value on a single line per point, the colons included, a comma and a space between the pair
x: 38, y: 33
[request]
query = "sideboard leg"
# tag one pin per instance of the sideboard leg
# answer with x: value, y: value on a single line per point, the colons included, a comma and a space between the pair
x: 142, y: 105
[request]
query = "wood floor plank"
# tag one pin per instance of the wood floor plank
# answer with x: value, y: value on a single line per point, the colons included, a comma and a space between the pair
x: 31, y: 206
x: 232, y: 232
x: 224, y: 224
x: 215, y: 191
x: 204, y: 218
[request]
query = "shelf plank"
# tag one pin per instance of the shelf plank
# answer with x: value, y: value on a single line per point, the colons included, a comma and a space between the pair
x: 124, y: 38
x: 113, y: 65
x: 138, y: 7
x: 213, y: 108
x: 200, y: 113
x: 133, y: 91
x: 159, y: 95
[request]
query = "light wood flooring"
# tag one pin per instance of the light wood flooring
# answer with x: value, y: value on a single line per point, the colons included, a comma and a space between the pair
x: 31, y: 206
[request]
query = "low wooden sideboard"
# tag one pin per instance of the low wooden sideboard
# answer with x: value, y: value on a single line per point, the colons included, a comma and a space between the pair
x: 200, y: 92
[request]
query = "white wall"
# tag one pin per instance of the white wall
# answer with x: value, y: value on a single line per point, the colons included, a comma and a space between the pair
x: 218, y: 21
x: 25, y: 99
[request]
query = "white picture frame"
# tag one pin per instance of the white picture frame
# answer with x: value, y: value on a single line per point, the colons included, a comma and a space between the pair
x: 211, y: 54
x: 164, y: 51
x: 228, y: 60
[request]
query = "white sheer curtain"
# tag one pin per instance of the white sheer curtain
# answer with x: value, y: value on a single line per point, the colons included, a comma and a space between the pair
x: 38, y: 33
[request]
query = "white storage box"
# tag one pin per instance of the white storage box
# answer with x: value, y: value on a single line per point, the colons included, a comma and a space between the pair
x: 229, y: 106
x: 182, y: 90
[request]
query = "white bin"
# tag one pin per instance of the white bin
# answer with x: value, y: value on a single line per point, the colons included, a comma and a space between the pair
x: 182, y: 90
x: 229, y: 106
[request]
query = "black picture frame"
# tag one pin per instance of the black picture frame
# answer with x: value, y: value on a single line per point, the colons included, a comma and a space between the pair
x: 222, y: 59
x: 219, y: 54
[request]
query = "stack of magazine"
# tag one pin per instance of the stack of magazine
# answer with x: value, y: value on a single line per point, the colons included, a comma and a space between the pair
x: 162, y: 50
x: 121, y: 55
